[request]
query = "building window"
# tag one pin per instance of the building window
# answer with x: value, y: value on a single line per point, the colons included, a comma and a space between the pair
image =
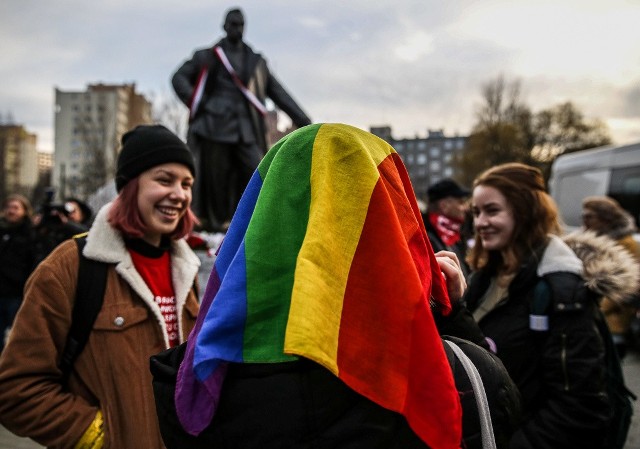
x: 422, y: 159
x: 434, y: 152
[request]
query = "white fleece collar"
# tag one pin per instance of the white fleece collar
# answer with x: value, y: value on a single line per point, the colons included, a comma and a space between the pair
x: 559, y: 257
x: 105, y: 244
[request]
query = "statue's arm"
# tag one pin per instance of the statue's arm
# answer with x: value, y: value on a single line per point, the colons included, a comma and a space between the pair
x: 184, y: 79
x: 285, y: 101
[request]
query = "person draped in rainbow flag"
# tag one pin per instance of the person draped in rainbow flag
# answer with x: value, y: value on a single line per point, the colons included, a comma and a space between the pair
x: 316, y: 323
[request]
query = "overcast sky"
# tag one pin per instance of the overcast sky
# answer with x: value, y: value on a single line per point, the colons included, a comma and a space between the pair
x: 411, y: 64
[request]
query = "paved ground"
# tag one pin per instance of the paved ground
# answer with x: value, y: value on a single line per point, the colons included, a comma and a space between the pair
x: 631, y: 367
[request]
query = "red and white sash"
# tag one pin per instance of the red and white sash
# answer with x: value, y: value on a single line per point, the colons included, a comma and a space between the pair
x: 202, y: 79
x: 198, y: 92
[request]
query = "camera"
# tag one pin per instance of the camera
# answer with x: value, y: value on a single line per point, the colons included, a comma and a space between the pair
x: 50, y: 211
x: 53, y: 227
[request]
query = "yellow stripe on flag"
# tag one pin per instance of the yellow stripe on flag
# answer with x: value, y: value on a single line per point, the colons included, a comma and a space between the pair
x: 339, y: 204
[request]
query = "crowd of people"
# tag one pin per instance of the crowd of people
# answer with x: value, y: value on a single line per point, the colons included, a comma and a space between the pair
x: 332, y: 313
x: 27, y: 238
x: 526, y: 297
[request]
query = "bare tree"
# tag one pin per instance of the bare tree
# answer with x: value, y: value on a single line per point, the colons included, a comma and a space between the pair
x: 96, y: 141
x: 503, y: 130
x: 564, y: 129
x: 169, y: 111
x: 507, y: 131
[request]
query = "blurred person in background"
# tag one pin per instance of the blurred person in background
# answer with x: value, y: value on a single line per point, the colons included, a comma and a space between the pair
x: 16, y: 257
x: 604, y: 216
x: 446, y: 212
x: 79, y: 211
x: 53, y: 225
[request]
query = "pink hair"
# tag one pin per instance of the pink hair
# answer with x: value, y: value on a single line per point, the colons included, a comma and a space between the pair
x: 124, y: 215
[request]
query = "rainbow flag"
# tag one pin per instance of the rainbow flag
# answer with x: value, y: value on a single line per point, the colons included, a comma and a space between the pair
x: 327, y: 258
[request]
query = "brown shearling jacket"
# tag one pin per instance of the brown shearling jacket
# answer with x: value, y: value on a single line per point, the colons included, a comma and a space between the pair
x: 112, y: 373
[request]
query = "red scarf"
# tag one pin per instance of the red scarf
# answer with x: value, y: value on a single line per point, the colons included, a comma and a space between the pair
x: 448, y: 229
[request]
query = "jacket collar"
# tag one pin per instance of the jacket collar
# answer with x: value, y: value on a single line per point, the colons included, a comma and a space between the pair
x: 105, y: 244
x: 558, y: 257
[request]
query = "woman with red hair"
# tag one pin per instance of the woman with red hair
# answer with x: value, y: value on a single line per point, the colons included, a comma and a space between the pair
x: 149, y: 305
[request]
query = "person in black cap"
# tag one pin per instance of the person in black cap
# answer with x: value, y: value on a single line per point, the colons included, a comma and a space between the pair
x: 446, y: 212
x: 149, y: 305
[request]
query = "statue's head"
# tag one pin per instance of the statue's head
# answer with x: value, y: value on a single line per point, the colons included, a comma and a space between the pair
x: 234, y: 25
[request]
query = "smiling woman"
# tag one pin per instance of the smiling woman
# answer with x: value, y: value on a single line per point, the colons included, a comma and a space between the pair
x: 164, y: 195
x: 528, y: 296
x: 149, y: 305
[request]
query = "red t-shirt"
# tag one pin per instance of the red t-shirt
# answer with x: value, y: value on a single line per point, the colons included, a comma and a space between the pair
x: 156, y: 272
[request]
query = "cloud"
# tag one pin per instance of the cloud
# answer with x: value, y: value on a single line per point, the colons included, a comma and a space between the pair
x: 631, y: 98
x: 412, y: 64
x: 416, y: 45
x: 565, y: 39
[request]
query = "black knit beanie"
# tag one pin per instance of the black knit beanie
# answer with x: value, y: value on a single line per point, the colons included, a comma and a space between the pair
x: 146, y: 146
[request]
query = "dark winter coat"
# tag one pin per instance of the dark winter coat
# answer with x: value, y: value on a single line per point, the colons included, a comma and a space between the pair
x: 559, y: 371
x: 302, y: 405
x: 16, y: 257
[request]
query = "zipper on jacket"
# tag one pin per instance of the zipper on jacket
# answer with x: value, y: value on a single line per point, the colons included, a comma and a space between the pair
x: 563, y: 360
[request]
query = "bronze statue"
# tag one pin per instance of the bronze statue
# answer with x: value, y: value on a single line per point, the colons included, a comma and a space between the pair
x: 224, y: 87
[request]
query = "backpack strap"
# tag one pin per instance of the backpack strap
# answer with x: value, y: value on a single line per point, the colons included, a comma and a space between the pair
x: 484, y: 414
x: 91, y: 285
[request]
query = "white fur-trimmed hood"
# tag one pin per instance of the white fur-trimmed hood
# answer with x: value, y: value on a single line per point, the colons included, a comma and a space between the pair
x: 609, y: 269
x: 558, y: 257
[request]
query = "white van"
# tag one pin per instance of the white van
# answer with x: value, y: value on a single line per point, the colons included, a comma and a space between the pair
x: 611, y: 170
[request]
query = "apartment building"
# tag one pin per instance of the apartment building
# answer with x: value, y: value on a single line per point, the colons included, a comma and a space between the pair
x: 88, y: 126
x: 428, y: 159
x: 18, y: 159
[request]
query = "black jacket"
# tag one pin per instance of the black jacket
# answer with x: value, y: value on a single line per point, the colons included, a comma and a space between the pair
x: 302, y: 405
x: 16, y: 257
x: 560, y: 371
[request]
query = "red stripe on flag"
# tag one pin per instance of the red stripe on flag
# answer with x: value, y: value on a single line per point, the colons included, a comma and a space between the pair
x: 389, y: 349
